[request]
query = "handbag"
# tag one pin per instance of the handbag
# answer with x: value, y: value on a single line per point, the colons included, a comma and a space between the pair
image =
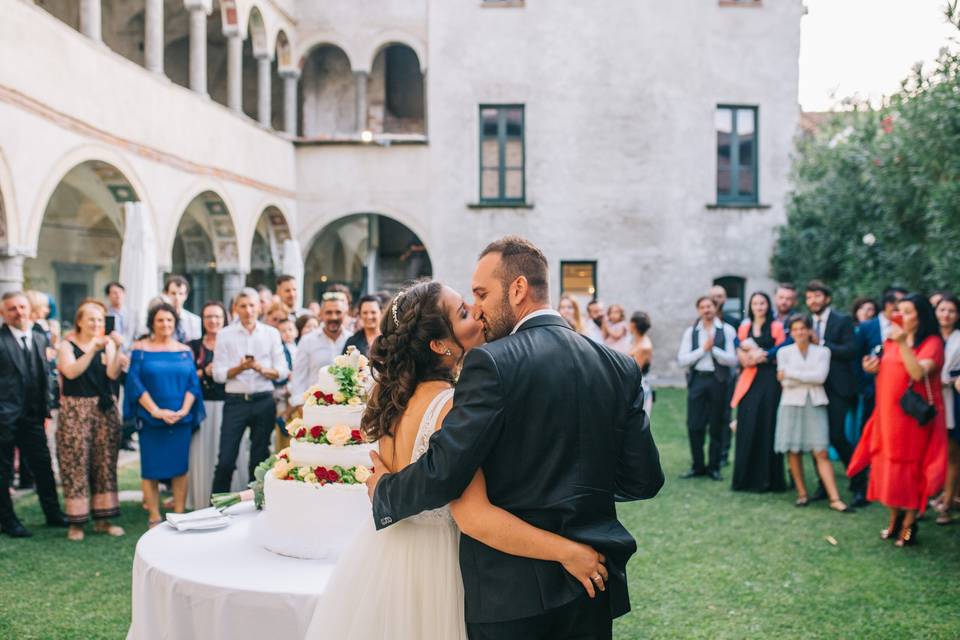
x: 918, y: 407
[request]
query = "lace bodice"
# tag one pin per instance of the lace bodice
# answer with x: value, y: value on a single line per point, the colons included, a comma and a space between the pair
x: 420, y: 445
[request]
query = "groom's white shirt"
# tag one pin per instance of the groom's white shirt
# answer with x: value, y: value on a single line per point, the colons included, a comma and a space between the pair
x: 532, y: 315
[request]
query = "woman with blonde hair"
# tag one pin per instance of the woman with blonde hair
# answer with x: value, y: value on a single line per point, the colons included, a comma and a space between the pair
x: 88, y: 433
x: 568, y: 308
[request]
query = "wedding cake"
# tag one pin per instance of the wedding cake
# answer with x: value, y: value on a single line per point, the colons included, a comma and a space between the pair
x: 314, y: 498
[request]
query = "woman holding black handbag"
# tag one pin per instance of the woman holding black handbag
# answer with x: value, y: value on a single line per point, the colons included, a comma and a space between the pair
x: 905, y: 441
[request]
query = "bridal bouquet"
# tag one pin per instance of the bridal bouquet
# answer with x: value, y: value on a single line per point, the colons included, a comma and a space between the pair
x: 223, y: 501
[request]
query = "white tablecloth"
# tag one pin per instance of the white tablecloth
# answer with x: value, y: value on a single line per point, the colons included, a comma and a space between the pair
x: 221, y: 584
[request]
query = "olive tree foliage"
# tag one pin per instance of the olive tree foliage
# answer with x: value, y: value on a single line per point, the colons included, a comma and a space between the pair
x: 876, y: 197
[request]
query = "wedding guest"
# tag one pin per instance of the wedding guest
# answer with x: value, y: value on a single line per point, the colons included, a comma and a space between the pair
x: 289, y: 336
x: 40, y: 315
x: 569, y: 310
x: 206, y: 440
x: 784, y: 302
x: 719, y: 296
x: 616, y: 333
x: 318, y: 348
x: 163, y: 392
x: 248, y: 357
x: 595, y: 321
x: 349, y: 320
x: 281, y: 394
x: 707, y: 351
x: 936, y: 297
x: 306, y: 324
x: 266, y: 298
x: 24, y: 405
x: 641, y: 351
x: 369, y: 330
x: 89, y: 426
x: 123, y: 329
x: 802, y: 423
x: 834, y: 330
x: 756, y: 466
x: 314, y: 308
x: 288, y: 293
x: 946, y: 312
x: 176, y: 289
x: 863, y: 309
x: 907, y: 458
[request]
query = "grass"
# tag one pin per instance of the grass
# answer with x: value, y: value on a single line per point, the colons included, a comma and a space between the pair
x: 712, y: 564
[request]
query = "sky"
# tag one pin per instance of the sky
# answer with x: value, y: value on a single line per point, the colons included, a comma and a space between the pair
x: 865, y: 47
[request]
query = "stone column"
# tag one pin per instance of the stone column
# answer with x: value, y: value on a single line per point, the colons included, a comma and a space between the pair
x: 235, y: 72
x: 198, y: 48
x: 90, y: 19
x: 290, y: 79
x: 263, y: 89
x: 11, y: 272
x: 233, y: 281
x: 360, y: 77
x: 153, y: 41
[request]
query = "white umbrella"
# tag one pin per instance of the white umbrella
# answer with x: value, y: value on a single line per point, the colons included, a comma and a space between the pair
x: 138, y: 265
x: 293, y: 266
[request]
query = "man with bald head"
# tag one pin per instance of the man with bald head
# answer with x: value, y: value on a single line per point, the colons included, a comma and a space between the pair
x: 24, y: 406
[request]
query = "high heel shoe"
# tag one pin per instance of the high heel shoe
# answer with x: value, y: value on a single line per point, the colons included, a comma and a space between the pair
x: 908, y: 536
x: 886, y: 534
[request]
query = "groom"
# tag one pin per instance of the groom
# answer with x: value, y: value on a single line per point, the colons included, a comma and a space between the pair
x: 556, y: 422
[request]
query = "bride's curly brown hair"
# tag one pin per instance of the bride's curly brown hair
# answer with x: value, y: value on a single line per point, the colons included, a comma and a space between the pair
x: 401, y: 357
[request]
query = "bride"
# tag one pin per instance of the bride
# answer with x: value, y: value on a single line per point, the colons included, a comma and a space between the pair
x: 403, y: 582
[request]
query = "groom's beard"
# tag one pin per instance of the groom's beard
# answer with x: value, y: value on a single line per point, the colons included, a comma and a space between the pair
x: 501, y: 324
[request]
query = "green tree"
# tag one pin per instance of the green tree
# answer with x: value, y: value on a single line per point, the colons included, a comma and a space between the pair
x: 876, y: 195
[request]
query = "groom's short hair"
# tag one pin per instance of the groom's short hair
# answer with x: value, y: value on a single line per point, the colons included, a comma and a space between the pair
x: 520, y: 257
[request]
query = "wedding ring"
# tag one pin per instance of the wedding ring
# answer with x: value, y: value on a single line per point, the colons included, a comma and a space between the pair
x: 597, y: 578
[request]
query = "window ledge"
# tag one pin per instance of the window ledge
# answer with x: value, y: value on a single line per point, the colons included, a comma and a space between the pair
x: 738, y: 205
x: 740, y: 3
x: 378, y: 140
x: 501, y: 4
x: 500, y: 205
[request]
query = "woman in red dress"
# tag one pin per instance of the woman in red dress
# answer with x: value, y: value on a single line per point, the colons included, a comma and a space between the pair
x: 907, y: 460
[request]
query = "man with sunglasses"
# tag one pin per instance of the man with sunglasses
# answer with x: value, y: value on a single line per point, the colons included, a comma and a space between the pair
x: 318, y: 348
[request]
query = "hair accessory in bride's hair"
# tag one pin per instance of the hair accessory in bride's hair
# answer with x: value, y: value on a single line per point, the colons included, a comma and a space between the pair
x: 396, y: 301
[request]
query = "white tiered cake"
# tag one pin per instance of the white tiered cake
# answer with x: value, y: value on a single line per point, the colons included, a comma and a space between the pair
x: 314, y: 498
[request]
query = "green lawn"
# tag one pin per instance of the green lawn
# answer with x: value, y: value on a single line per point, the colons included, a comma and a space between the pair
x: 712, y: 564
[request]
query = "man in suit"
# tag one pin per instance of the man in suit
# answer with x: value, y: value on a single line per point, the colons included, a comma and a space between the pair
x: 834, y: 330
x: 556, y: 422
x: 719, y: 296
x: 24, y: 405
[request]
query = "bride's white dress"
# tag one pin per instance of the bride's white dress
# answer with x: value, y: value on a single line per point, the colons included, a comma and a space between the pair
x: 400, y: 583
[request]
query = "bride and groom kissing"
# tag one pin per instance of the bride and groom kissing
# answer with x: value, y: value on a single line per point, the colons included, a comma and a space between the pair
x: 493, y: 504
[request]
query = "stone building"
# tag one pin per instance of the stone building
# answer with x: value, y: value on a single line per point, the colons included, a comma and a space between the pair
x: 645, y: 146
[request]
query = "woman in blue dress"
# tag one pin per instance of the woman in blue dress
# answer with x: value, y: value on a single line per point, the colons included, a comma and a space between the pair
x: 163, y: 395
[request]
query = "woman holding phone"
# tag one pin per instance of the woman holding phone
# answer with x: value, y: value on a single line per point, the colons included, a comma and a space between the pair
x: 906, y: 452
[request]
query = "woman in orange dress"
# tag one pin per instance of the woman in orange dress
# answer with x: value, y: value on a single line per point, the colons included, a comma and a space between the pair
x: 907, y: 460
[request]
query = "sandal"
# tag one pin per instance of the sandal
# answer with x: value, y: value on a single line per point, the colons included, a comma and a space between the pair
x: 802, y: 501
x: 908, y: 536
x: 111, y: 530
x: 944, y: 518
x: 845, y: 508
x: 75, y: 534
x: 892, y: 532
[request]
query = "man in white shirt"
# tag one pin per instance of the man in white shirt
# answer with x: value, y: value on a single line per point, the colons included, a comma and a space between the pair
x: 596, y: 317
x: 319, y: 348
x: 248, y: 358
x: 708, y: 351
x: 287, y: 291
x: 189, y: 326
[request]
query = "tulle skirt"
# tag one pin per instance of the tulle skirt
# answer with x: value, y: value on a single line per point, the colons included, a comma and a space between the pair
x: 400, y: 583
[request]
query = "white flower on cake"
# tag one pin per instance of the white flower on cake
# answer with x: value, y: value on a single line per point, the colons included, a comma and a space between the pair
x: 339, y: 398
x: 339, y: 435
x: 341, y: 361
x: 294, y: 425
x: 281, y: 469
x: 354, y: 401
x: 361, y: 473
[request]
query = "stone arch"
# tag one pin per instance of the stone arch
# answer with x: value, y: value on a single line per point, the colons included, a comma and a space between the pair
x: 328, y: 93
x: 363, y: 250
x: 80, y: 234
x: 396, y: 99
x: 9, y: 214
x: 257, y: 32
x: 394, y: 37
x: 310, y: 41
x: 65, y: 164
x: 283, y: 51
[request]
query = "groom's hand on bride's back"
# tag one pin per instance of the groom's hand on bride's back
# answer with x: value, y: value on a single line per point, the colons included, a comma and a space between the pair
x: 379, y: 470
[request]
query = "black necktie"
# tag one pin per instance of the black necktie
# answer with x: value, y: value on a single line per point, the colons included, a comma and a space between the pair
x: 26, y: 354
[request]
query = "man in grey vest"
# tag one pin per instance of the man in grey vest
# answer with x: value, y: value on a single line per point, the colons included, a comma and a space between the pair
x: 708, y: 352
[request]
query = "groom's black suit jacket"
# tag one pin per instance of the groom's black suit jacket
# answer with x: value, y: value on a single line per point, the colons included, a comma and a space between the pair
x: 556, y: 422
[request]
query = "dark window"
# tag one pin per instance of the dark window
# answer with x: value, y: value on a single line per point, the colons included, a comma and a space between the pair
x: 735, y: 286
x: 736, y: 154
x: 502, y: 154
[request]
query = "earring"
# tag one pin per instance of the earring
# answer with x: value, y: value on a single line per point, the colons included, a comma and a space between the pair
x: 448, y: 352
